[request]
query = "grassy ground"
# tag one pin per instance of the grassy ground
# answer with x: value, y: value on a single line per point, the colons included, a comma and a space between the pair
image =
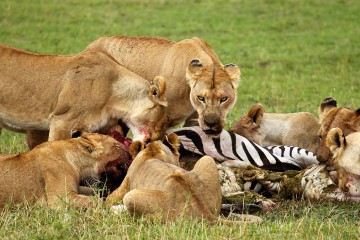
x: 292, y: 54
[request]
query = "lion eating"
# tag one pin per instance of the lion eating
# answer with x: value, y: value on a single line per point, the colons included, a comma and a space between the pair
x: 197, y: 82
x: 155, y: 183
x: 331, y: 116
x: 51, y: 172
x: 45, y: 96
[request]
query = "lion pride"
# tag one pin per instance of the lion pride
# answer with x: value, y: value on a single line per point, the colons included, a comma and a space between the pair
x: 50, y: 173
x: 195, y: 77
x: 331, y: 116
x: 46, y: 96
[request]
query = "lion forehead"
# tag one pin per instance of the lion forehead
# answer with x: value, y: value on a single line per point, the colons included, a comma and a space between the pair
x: 349, y: 160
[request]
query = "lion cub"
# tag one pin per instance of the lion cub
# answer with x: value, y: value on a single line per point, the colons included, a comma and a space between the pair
x: 155, y: 184
x: 331, y: 116
x: 266, y: 129
x: 346, y: 153
x: 50, y: 173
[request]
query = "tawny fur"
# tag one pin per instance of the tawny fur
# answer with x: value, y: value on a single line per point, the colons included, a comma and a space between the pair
x: 50, y: 173
x: 291, y: 129
x: 196, y: 79
x: 88, y: 91
x: 346, y: 153
x: 155, y: 183
x: 331, y: 116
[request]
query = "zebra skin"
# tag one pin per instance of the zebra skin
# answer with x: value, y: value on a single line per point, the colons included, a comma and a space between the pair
x: 235, y: 154
x: 233, y: 150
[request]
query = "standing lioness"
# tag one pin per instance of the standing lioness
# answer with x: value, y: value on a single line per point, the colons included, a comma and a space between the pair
x: 88, y: 91
x: 196, y: 79
x: 50, y: 173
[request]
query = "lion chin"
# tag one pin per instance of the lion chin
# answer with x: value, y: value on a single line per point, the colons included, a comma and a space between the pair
x: 213, y: 133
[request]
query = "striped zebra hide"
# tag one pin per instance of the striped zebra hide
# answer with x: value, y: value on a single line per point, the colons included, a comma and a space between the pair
x: 233, y: 150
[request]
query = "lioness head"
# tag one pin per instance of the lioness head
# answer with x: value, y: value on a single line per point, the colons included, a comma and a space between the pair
x: 166, y: 150
x: 249, y: 125
x: 99, y: 148
x: 346, y: 154
x: 213, y: 92
x: 331, y: 116
x: 148, y: 119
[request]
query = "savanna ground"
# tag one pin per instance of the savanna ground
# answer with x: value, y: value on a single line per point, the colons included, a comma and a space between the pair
x: 292, y: 54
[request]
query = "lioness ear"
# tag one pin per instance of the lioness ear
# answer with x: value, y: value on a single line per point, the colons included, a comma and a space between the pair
x: 172, y: 141
x: 256, y: 113
x: 92, y: 147
x: 335, y: 141
x: 234, y: 73
x: 193, y: 71
x: 157, y: 91
x: 135, y: 148
x: 326, y: 105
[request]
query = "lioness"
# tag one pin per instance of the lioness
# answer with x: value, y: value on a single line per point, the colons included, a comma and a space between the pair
x: 155, y: 183
x: 88, y: 91
x: 346, y: 154
x: 196, y: 79
x: 50, y: 173
x: 293, y: 129
x: 331, y: 116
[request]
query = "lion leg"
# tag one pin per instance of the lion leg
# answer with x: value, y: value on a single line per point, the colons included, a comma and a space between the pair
x: 150, y: 203
x: 59, y: 132
x: 192, y: 120
x: 54, y: 201
x: 35, y: 137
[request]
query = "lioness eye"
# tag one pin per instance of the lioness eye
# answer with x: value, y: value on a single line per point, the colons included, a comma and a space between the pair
x: 89, y: 149
x: 201, y: 98
x: 223, y: 99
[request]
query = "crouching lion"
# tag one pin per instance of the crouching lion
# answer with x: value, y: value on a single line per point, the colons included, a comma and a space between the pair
x: 50, y: 173
x: 155, y: 184
x: 266, y: 129
x: 88, y: 91
x: 197, y: 82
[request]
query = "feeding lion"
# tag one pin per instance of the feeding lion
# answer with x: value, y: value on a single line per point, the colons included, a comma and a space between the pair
x: 46, y: 96
x: 50, y: 173
x: 196, y: 79
x: 155, y: 183
x: 331, y: 116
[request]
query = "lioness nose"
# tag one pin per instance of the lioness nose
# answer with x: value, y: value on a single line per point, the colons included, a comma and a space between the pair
x: 211, y: 120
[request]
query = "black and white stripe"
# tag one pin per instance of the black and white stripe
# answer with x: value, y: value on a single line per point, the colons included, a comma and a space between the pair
x: 235, y: 149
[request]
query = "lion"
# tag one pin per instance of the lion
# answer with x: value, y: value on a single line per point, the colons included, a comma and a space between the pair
x: 197, y: 82
x: 46, y: 96
x: 156, y: 183
x: 346, y: 154
x: 50, y: 173
x: 266, y: 129
x: 332, y: 116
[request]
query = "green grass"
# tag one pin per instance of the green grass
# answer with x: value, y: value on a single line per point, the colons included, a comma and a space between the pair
x: 292, y: 54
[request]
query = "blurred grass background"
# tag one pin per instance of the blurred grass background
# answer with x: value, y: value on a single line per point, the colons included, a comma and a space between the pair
x: 292, y: 54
